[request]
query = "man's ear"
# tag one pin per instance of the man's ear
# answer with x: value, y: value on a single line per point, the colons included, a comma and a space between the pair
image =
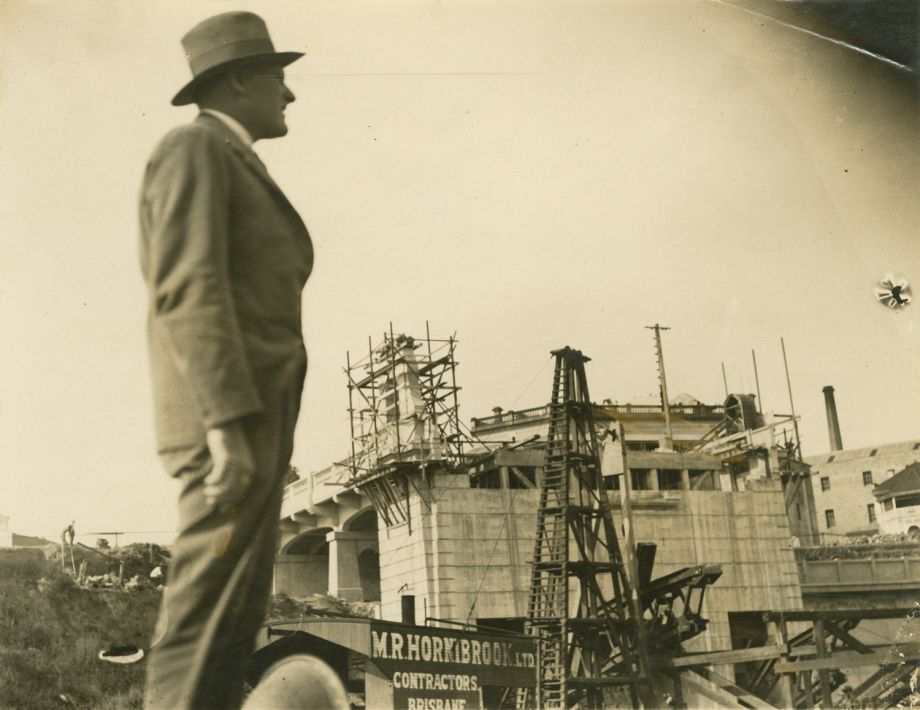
x: 238, y: 81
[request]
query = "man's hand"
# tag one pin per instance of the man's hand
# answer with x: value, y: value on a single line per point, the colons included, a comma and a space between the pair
x: 233, y: 467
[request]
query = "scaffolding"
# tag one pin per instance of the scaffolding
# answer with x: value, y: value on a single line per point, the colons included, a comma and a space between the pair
x: 404, y: 416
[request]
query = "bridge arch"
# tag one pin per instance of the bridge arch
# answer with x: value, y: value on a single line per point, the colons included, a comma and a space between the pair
x: 309, y: 542
x: 302, y: 566
x: 364, y: 519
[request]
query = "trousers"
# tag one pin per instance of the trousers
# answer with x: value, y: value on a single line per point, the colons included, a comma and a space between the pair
x: 220, y: 574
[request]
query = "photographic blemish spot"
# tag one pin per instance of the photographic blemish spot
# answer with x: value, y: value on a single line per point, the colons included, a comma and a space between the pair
x: 893, y: 291
x: 220, y: 543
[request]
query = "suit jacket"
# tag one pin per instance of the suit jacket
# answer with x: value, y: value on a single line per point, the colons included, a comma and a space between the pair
x: 225, y: 257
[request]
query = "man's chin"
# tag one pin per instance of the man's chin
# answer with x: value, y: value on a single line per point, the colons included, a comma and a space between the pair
x: 279, y: 131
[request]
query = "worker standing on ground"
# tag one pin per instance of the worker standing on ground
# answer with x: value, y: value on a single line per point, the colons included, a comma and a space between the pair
x: 225, y: 257
x: 68, y: 534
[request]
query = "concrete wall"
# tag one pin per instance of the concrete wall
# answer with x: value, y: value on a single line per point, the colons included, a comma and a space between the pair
x: 747, y: 533
x: 486, y: 540
x: 301, y: 575
x: 468, y: 555
x: 848, y: 496
x: 466, y: 546
x: 406, y: 554
x: 649, y: 427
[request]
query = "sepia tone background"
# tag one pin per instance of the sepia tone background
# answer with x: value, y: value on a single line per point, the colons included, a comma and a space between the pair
x: 526, y: 175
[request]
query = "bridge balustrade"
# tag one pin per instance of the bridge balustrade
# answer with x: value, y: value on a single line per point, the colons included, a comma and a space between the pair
x: 858, y: 568
x: 316, y: 487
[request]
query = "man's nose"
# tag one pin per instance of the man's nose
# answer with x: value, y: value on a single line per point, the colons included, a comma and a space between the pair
x: 288, y: 94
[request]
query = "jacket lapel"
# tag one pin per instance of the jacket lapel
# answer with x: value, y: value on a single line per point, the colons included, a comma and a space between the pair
x: 249, y: 157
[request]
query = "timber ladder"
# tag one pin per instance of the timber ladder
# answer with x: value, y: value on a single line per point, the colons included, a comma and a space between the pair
x: 579, y: 606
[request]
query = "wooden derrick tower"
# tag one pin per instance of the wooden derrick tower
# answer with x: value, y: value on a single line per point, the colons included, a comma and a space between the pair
x: 580, y: 604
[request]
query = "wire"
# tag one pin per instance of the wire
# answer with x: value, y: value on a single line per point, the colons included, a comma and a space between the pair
x: 498, y: 537
x: 484, y: 443
x: 533, y: 379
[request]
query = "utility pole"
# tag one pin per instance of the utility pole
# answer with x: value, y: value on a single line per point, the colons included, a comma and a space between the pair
x: 664, y: 384
x: 756, y: 381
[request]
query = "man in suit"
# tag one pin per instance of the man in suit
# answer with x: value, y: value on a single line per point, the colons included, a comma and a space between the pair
x: 225, y: 257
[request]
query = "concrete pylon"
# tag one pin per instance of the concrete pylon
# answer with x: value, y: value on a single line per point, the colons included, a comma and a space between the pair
x: 344, y: 575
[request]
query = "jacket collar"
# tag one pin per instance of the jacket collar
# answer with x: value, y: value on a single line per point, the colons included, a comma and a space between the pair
x: 239, y: 130
x: 240, y: 148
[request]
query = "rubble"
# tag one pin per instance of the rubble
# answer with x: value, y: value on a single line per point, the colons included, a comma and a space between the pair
x: 283, y: 606
x: 879, y: 546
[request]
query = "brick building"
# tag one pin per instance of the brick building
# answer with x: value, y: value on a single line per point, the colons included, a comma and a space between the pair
x: 843, y: 482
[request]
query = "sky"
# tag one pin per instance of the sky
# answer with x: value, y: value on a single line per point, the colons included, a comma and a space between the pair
x: 524, y: 175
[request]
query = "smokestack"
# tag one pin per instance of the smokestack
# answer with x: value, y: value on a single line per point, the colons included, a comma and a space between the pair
x: 833, y: 425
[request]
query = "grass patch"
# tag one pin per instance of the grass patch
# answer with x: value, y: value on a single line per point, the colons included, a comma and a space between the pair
x: 51, y: 631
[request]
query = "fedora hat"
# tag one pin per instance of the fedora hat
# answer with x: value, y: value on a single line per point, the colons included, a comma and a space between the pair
x: 225, y: 40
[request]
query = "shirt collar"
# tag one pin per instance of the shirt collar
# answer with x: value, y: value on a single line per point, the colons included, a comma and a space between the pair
x: 238, y: 128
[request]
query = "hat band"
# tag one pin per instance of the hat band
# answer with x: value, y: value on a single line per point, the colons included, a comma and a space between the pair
x: 229, y: 52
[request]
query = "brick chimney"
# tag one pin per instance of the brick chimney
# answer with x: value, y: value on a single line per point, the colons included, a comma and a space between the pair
x: 833, y: 424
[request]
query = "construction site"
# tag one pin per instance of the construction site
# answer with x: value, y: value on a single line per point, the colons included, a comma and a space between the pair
x: 584, y: 554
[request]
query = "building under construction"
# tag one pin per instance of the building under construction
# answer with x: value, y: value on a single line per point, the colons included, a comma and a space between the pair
x: 625, y: 555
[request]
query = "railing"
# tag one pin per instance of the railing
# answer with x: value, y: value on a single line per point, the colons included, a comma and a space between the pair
x: 678, y: 409
x: 874, y: 570
x: 315, y: 487
x: 337, y: 474
x: 511, y: 416
x: 299, y: 487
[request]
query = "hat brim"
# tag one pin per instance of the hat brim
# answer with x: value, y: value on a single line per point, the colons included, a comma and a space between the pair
x: 187, y: 93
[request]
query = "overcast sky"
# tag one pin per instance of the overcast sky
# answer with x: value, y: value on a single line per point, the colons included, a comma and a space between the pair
x: 526, y: 175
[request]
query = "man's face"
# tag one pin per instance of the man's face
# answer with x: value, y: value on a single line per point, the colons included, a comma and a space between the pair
x: 266, y: 98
